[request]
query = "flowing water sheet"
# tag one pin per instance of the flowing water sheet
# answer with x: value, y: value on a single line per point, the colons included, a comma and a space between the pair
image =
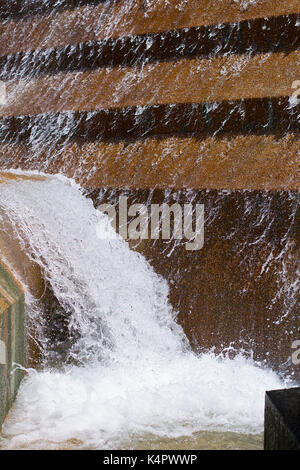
x: 129, y: 371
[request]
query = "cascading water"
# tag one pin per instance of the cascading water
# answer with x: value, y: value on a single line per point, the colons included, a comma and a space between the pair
x: 130, y: 371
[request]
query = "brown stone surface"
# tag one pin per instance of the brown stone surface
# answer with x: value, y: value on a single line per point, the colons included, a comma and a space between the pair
x: 123, y: 18
x: 222, y: 78
x: 250, y: 162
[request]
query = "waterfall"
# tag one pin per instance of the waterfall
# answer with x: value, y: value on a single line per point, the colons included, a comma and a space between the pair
x: 129, y: 369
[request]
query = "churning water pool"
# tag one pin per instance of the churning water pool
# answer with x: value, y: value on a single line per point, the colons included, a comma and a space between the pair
x: 135, y: 383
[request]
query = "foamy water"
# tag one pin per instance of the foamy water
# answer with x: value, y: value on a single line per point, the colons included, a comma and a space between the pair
x: 135, y: 373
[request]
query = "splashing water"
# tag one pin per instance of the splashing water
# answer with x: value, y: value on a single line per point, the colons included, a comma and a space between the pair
x: 135, y: 373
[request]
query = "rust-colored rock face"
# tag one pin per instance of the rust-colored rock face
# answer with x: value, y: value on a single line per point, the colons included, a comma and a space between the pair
x: 253, y: 162
x: 195, y: 101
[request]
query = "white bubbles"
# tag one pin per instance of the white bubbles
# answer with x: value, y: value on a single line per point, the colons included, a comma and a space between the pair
x: 103, y: 405
x: 137, y: 374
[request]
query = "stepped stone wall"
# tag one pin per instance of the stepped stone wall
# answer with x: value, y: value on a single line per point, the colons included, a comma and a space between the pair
x: 186, y: 98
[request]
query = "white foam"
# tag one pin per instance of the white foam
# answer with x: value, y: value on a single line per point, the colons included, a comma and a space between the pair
x: 137, y: 373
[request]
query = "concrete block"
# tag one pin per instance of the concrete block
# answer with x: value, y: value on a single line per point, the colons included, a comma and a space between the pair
x: 282, y: 420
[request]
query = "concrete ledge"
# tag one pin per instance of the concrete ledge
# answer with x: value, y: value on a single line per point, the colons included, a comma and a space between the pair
x: 11, y: 339
x: 282, y: 420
